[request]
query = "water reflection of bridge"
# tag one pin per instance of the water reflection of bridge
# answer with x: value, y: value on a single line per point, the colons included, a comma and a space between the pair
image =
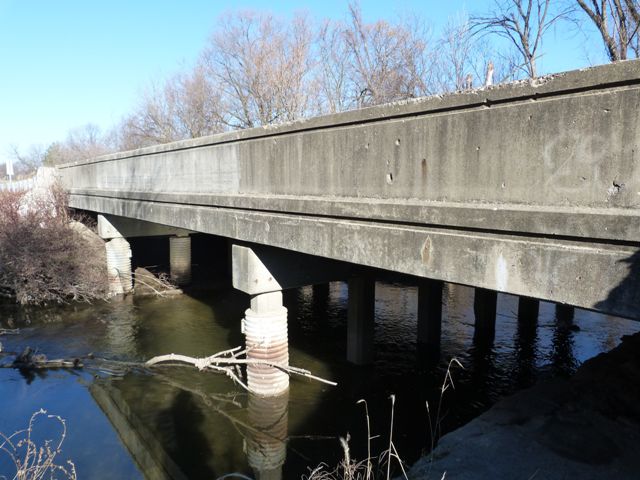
x: 179, y: 441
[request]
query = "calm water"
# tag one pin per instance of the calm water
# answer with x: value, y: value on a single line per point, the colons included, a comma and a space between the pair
x: 179, y: 423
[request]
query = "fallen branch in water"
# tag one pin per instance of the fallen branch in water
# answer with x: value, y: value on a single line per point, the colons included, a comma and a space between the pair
x: 228, y: 362
x: 30, y: 359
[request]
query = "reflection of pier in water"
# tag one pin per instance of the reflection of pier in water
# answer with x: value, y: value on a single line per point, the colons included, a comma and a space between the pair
x: 158, y: 447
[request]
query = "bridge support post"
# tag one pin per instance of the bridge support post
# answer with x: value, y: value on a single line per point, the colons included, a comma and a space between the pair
x: 264, y: 324
x: 266, y: 339
x: 564, y: 314
x: 360, y: 319
x: 430, y: 315
x: 484, y: 307
x: 118, y: 258
x: 528, y: 309
x: 180, y: 259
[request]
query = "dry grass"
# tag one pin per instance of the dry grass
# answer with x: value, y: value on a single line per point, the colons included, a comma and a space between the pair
x: 380, y: 467
x: 34, y: 461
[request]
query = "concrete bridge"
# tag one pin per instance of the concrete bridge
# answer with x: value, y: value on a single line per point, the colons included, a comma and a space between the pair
x: 530, y: 188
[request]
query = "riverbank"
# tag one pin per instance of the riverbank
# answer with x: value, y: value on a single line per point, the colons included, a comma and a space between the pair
x: 587, y: 427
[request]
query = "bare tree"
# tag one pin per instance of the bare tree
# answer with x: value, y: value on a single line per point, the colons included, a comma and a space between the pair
x: 618, y: 22
x: 388, y: 62
x: 464, y: 59
x: 523, y: 23
x: 187, y: 106
x: 262, y: 67
x: 335, y: 89
x: 29, y: 161
x: 86, y: 142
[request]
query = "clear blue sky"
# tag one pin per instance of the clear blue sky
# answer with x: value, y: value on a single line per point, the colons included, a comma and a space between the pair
x: 66, y: 63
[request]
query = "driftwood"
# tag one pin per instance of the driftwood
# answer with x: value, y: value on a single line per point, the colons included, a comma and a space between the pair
x: 9, y: 331
x: 30, y: 359
x: 228, y: 362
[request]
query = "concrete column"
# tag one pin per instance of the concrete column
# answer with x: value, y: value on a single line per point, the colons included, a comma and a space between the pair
x: 564, y: 313
x: 430, y: 313
x: 320, y: 301
x: 266, y: 443
x: 528, y: 310
x: 360, y: 319
x: 180, y: 259
x: 265, y: 329
x: 484, y: 307
x: 119, y: 266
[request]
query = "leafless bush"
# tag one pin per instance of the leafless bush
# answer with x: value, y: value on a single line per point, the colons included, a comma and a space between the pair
x: 35, y: 461
x: 42, y: 259
x: 262, y: 66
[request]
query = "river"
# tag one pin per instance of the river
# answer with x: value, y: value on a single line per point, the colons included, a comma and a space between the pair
x: 128, y: 423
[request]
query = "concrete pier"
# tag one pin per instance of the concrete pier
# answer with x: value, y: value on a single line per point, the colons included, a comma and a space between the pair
x: 118, y: 252
x: 564, y: 314
x: 430, y: 315
x: 360, y: 319
x: 180, y: 259
x: 528, y: 310
x: 119, y: 266
x: 484, y: 307
x: 265, y: 330
x: 263, y: 272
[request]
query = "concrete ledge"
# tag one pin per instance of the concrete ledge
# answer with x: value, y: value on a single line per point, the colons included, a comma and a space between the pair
x: 587, y: 223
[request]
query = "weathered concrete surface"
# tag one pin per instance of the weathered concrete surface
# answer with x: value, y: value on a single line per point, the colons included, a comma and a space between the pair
x: 587, y: 427
x: 530, y: 188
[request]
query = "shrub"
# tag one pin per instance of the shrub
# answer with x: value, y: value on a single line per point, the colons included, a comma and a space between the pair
x: 34, y: 460
x: 43, y: 259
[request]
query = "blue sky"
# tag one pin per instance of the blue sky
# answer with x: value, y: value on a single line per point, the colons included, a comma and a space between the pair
x: 66, y: 63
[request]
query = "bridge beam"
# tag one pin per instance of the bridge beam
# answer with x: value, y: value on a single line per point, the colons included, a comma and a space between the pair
x: 115, y: 226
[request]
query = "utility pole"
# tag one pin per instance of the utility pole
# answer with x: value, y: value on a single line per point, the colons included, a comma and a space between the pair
x: 9, y: 165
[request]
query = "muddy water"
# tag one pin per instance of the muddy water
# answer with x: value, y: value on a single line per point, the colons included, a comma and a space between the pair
x: 178, y: 423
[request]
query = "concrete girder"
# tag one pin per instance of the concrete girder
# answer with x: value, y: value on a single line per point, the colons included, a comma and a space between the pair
x: 543, y: 268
